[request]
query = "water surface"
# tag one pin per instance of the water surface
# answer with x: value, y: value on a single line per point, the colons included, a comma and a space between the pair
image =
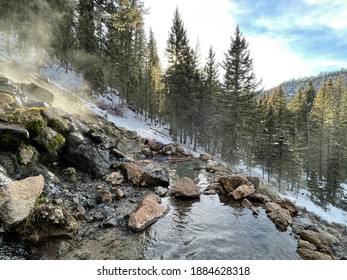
x: 209, y: 228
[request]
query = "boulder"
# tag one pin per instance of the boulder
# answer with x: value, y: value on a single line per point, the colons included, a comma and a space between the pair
x: 264, y: 188
x: 151, y: 175
x: 281, y: 217
x: 308, y: 254
x: 12, y: 136
x: 51, y: 140
x: 147, y: 213
x: 306, y: 245
x: 17, y: 198
x: 206, y: 157
x: 272, y: 206
x: 185, y: 188
x: 319, y: 239
x: 84, y: 155
x: 27, y: 154
x: 242, y: 191
x: 215, y: 166
x: 50, y: 222
x: 230, y: 183
x: 259, y: 198
x: 287, y: 204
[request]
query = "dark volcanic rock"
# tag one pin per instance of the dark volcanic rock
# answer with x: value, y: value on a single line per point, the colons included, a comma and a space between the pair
x: 12, y: 136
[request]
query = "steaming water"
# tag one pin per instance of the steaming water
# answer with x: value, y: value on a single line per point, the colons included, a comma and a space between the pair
x: 209, y: 228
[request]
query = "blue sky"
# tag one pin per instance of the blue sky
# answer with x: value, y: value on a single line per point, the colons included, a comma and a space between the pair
x: 287, y: 39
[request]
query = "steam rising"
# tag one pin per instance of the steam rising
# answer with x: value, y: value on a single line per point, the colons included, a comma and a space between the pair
x: 26, y: 37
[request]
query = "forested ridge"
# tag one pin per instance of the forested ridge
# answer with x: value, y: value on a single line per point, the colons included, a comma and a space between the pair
x: 296, y: 134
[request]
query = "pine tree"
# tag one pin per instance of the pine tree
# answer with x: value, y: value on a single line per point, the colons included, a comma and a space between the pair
x: 179, y: 76
x: 210, y: 106
x: 88, y: 60
x: 300, y: 107
x: 239, y: 91
x: 63, y: 43
x: 125, y: 18
x: 336, y: 141
x: 154, y: 79
x: 319, y: 115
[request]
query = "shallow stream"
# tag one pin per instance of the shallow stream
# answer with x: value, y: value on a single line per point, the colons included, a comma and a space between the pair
x: 211, y: 228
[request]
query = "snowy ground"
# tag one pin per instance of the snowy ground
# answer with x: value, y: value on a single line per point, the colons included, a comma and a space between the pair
x: 128, y: 119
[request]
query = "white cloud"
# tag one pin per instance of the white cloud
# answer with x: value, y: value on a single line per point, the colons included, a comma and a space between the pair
x: 274, y: 62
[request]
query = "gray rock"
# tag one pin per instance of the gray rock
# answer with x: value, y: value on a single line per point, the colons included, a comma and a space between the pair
x: 17, y: 199
x: 147, y: 213
x: 281, y: 217
x: 185, y: 188
x: 161, y: 191
x: 12, y: 136
x: 150, y: 175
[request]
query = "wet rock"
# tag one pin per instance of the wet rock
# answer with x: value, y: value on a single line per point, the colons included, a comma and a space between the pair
x: 306, y: 245
x: 115, y: 178
x: 185, y: 188
x: 111, y: 222
x: 17, y: 199
x: 206, y: 157
x: 50, y: 222
x: 215, y: 167
x: 287, y: 204
x: 146, y: 151
x: 12, y: 136
x: 308, y: 254
x: 4, y: 180
x: 97, y: 137
x: 151, y: 175
x: 247, y: 204
x: 259, y: 198
x: 242, y: 191
x: 51, y: 140
x: 230, y: 183
x: 27, y: 154
x: 147, y: 213
x: 281, y: 217
x: 210, y: 192
x: 319, y: 239
x: 84, y: 155
x: 264, y: 188
x: 161, y: 191
x: 272, y: 206
x: 117, y: 153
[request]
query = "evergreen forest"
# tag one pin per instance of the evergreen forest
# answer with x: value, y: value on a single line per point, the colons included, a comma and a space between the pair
x: 296, y: 136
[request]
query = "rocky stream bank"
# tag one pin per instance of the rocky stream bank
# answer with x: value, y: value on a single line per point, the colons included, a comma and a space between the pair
x: 75, y: 186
